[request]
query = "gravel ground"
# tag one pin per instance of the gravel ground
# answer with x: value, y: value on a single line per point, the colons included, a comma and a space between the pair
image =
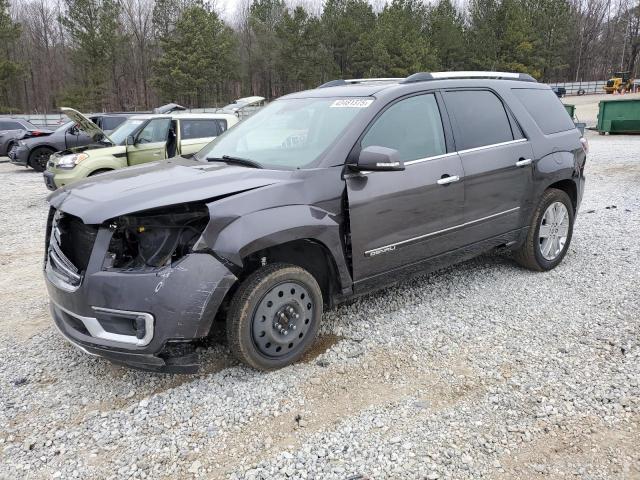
x: 483, y: 370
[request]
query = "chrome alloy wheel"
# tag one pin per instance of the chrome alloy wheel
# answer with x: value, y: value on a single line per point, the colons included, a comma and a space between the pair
x: 553, y: 231
x: 281, y: 319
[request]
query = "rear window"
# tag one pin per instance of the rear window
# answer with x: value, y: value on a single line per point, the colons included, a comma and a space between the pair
x: 546, y: 109
x: 480, y: 118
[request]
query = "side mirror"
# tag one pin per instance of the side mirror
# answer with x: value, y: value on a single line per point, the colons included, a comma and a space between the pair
x: 378, y: 159
x: 130, y: 140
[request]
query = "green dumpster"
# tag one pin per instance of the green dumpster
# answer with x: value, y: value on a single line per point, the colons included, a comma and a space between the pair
x: 571, y: 109
x: 619, y: 116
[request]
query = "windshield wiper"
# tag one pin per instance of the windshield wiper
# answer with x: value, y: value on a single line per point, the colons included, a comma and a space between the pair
x: 235, y: 160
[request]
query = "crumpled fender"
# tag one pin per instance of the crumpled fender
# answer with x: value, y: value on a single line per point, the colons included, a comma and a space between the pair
x: 266, y: 228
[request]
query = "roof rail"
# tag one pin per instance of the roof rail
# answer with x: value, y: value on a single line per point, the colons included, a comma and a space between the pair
x: 424, y: 76
x: 355, y: 81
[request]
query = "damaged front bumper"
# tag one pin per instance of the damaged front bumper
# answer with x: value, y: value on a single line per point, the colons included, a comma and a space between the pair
x: 142, y: 318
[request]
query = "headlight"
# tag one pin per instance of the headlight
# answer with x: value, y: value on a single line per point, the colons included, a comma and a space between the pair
x: 70, y: 161
x: 155, y: 239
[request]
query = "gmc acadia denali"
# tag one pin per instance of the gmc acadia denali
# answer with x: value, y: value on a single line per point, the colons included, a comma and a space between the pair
x: 320, y: 196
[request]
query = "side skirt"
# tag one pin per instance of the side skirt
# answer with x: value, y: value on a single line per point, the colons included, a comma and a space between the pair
x: 507, y: 240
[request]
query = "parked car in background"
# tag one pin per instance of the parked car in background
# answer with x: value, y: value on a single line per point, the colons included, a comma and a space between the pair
x: 14, y: 129
x: 141, y: 139
x: 559, y: 91
x: 35, y: 152
x: 318, y: 197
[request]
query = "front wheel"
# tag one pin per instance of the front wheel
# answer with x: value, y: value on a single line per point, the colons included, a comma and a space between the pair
x: 274, y: 316
x: 550, y: 232
x: 39, y: 157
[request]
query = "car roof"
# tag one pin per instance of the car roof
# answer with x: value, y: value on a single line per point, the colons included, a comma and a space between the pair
x: 420, y: 81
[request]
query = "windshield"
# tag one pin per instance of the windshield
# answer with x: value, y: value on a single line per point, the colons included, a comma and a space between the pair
x: 288, y: 133
x: 120, y: 134
x: 64, y: 126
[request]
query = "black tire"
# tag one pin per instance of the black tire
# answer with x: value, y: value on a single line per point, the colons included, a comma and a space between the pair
x: 530, y: 254
x: 246, y: 322
x: 39, y: 157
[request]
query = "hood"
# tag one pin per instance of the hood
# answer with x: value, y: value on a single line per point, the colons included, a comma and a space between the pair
x: 241, y: 103
x: 86, y: 125
x: 169, y: 108
x: 91, y: 146
x: 158, y: 184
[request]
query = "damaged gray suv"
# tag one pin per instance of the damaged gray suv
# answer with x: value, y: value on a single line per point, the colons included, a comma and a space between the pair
x: 321, y: 196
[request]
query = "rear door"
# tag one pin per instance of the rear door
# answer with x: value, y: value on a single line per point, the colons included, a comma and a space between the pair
x: 150, y: 143
x: 497, y: 162
x: 195, y: 133
x: 402, y: 217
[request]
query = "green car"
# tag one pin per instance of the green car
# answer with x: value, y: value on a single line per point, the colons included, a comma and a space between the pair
x: 141, y: 139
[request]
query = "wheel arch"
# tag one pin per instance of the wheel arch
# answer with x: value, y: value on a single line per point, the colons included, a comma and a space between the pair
x: 569, y: 187
x: 302, y: 235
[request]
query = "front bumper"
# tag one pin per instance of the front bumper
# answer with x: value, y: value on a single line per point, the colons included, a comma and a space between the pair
x: 58, y: 177
x: 19, y: 156
x: 139, y: 318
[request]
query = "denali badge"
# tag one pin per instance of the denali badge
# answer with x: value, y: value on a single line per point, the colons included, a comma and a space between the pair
x: 378, y: 251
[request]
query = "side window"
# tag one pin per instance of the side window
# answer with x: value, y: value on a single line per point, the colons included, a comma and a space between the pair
x: 155, y: 131
x: 9, y: 125
x: 199, y: 129
x: 110, y: 123
x: 222, y: 125
x: 480, y: 117
x: 411, y: 126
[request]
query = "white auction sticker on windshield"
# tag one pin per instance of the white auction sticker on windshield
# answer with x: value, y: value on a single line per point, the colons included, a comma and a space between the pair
x: 351, y: 103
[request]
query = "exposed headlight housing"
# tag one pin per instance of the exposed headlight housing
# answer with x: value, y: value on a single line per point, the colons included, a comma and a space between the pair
x: 22, y: 143
x: 155, y: 238
x: 70, y: 161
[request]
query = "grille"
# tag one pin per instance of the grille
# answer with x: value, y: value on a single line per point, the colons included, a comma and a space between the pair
x: 70, y: 245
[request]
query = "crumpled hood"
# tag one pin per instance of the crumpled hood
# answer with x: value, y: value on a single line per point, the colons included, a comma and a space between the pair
x: 151, y: 185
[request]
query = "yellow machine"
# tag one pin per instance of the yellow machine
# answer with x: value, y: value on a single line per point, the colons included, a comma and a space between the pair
x: 620, y: 82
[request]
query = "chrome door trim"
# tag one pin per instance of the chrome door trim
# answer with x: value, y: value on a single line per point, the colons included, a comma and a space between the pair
x: 435, y: 157
x: 485, y: 147
x: 449, y: 154
x: 392, y: 246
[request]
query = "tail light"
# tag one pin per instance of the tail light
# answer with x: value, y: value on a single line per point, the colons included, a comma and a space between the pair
x: 585, y: 145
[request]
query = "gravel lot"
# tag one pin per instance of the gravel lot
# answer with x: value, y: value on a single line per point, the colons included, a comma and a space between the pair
x: 483, y: 370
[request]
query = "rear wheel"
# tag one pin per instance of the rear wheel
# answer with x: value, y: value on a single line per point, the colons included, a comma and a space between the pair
x: 550, y: 232
x: 39, y: 157
x: 274, y: 316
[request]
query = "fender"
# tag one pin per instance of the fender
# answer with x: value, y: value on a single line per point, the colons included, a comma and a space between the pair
x: 553, y: 168
x: 274, y: 226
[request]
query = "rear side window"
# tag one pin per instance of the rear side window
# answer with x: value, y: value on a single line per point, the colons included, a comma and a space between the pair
x: 200, y: 128
x: 480, y: 118
x: 546, y: 109
x: 411, y: 126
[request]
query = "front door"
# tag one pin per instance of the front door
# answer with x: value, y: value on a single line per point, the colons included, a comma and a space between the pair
x: 150, y: 143
x: 399, y: 218
x: 497, y: 160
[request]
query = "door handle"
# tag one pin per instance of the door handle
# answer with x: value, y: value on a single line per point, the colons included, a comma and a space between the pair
x: 448, y: 179
x: 157, y: 154
x: 523, y: 162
